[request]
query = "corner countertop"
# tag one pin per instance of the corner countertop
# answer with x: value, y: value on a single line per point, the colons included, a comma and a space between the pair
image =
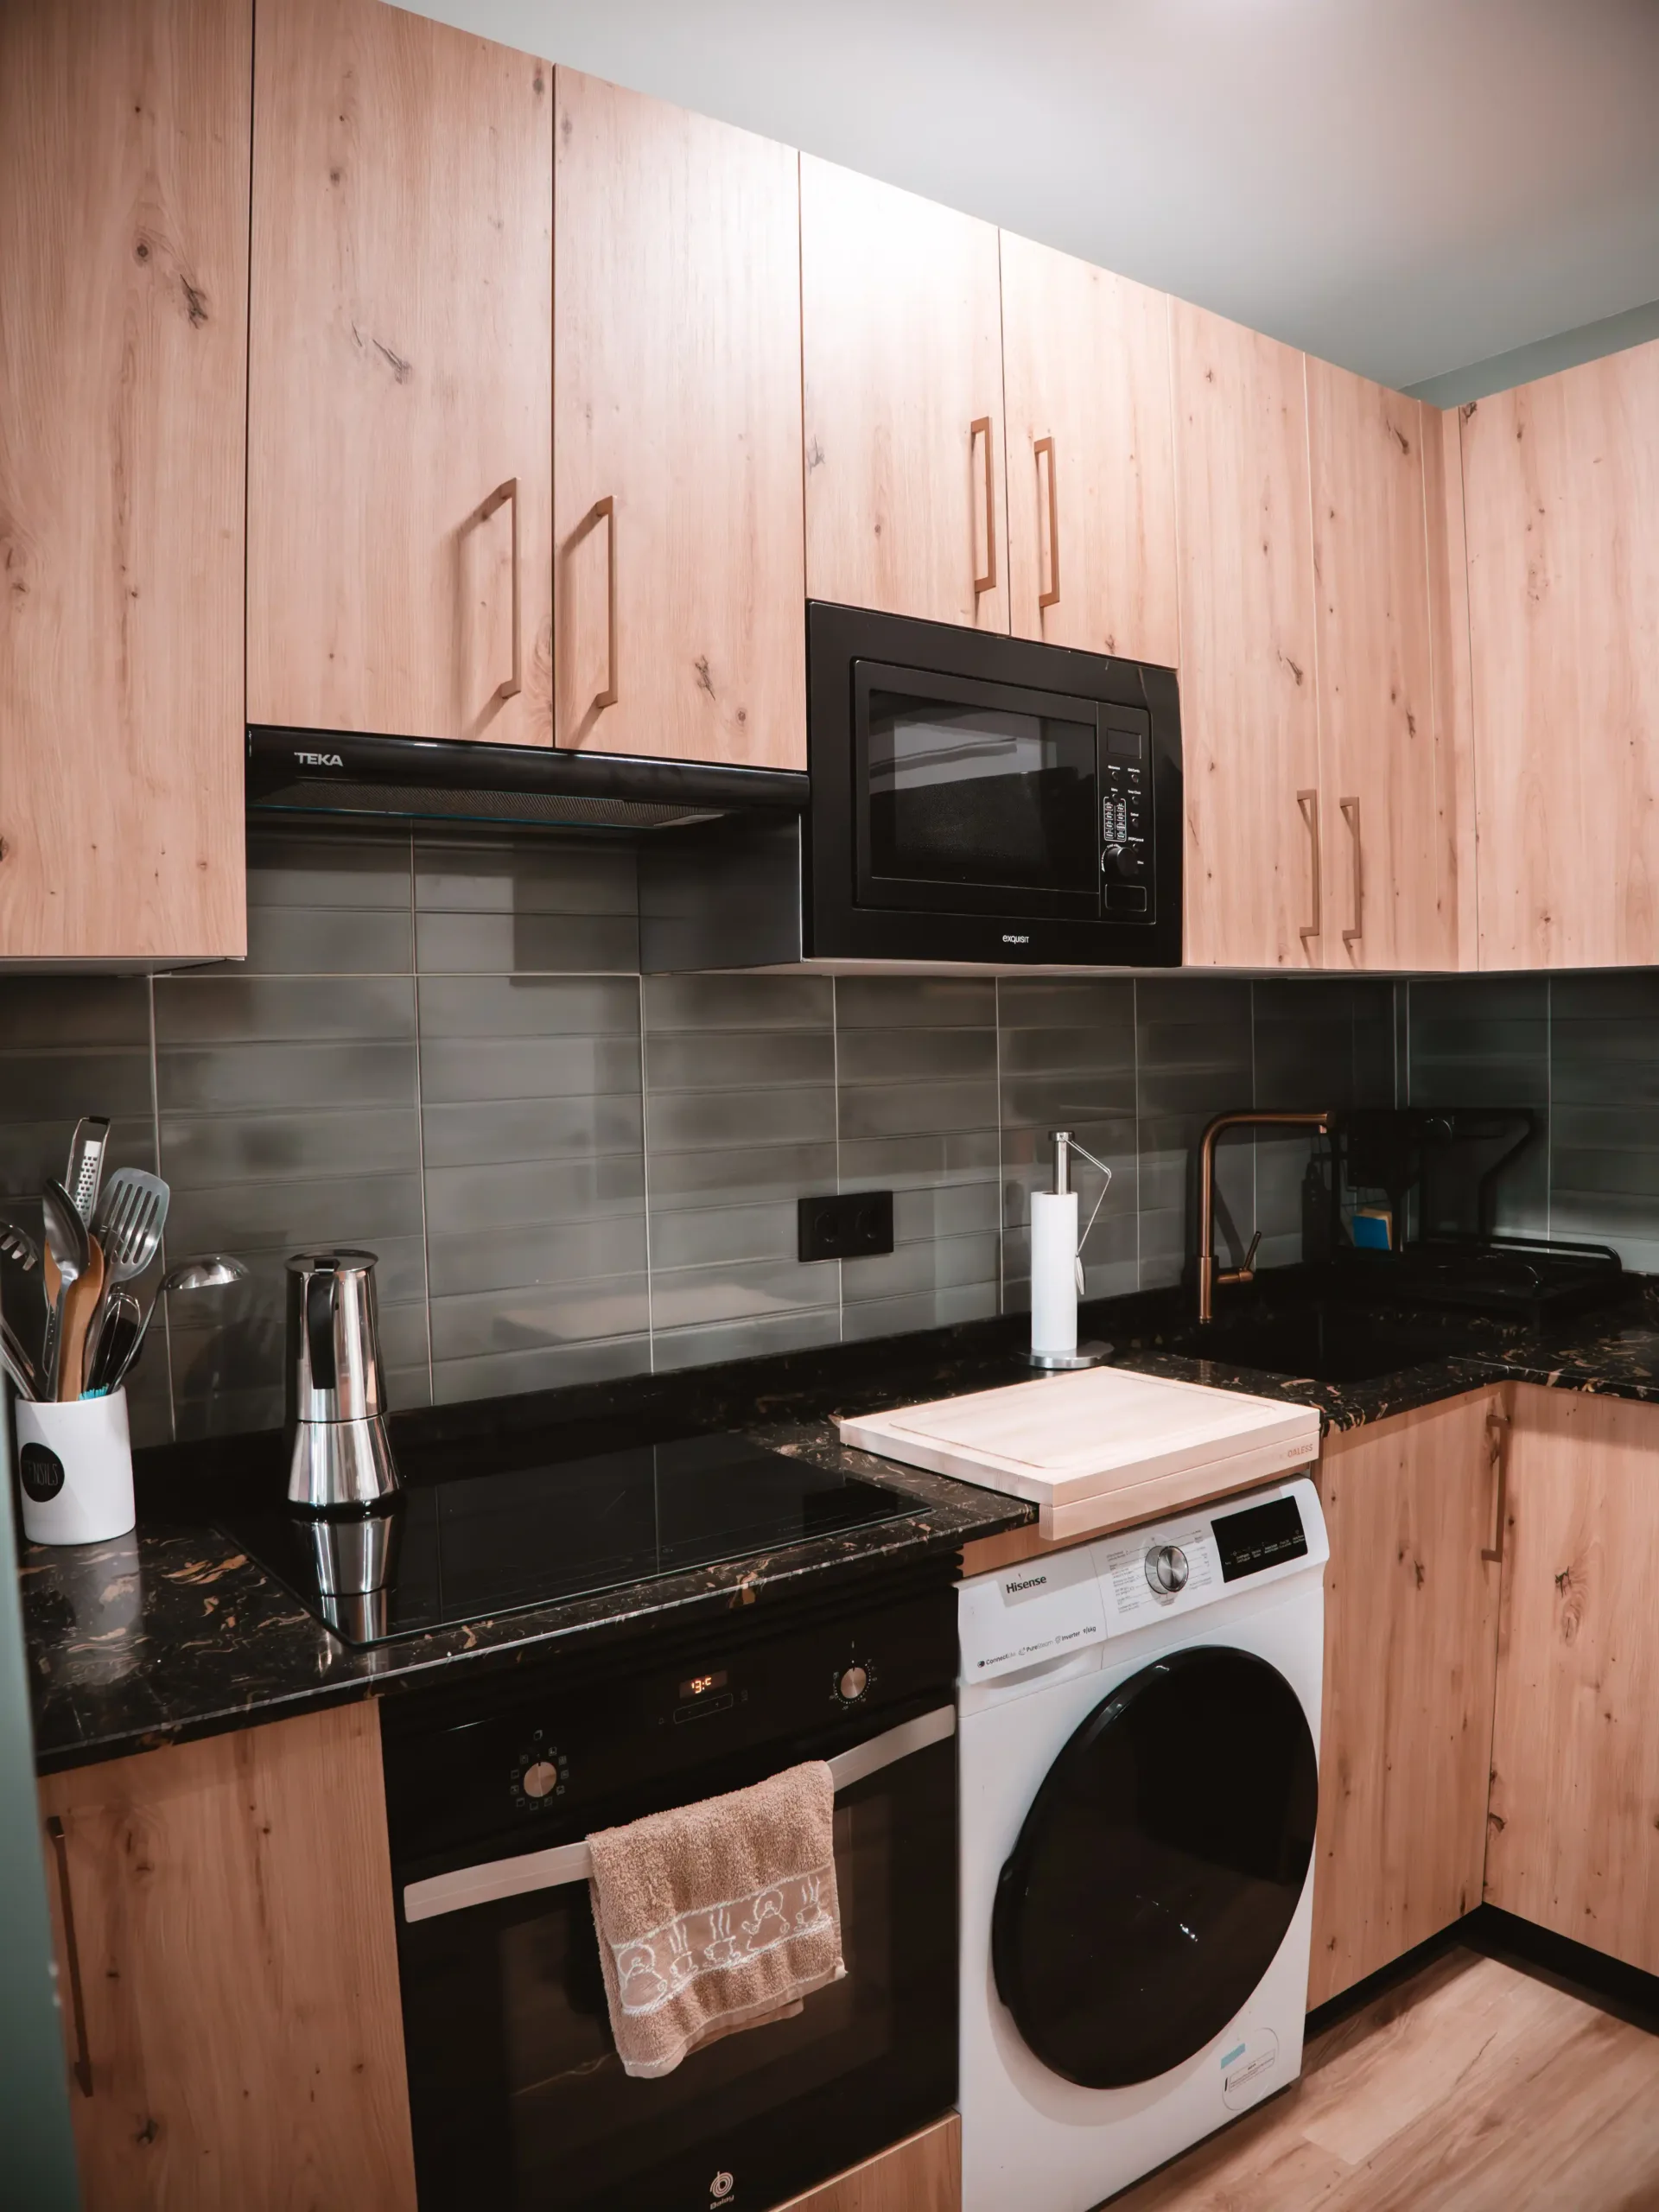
x: 173, y: 1632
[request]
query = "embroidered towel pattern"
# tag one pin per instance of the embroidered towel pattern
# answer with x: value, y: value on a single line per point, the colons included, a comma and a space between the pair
x: 716, y: 1916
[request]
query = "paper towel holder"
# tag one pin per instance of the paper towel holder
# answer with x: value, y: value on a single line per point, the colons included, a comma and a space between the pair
x: 1084, y: 1355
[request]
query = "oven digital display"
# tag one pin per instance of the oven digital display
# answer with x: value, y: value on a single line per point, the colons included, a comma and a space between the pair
x: 1262, y: 1536
x: 699, y: 1685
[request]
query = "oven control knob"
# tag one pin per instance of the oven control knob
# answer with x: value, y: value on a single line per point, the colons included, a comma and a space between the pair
x: 853, y: 1685
x: 541, y: 1779
x: 1166, y: 1569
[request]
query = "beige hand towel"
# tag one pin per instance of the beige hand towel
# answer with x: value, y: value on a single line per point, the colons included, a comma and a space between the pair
x: 716, y: 1916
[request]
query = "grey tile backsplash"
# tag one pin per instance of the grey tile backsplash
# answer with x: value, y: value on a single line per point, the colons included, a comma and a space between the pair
x: 444, y: 1051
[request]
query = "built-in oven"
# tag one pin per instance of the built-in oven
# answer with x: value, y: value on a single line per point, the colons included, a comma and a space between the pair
x: 517, y: 2098
x: 987, y: 799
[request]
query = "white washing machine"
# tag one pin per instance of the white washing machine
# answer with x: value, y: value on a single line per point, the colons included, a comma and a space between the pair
x: 1139, y: 1723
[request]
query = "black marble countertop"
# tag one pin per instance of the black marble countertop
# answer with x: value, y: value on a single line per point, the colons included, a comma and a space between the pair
x: 172, y: 1631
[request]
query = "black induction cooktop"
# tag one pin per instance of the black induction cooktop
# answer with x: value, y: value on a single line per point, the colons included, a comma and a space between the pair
x: 499, y: 1540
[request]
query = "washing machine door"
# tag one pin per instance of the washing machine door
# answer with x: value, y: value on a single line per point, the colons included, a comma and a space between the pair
x: 1158, y: 1868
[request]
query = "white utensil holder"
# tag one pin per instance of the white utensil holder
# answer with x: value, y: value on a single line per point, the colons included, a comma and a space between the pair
x: 74, y: 1469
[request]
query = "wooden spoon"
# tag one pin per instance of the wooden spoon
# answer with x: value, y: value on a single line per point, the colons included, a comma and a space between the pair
x: 81, y: 1301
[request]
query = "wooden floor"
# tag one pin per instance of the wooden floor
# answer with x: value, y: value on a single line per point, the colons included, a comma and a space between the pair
x: 1471, y: 2087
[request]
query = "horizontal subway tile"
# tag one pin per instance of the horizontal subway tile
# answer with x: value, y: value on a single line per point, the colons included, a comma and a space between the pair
x: 78, y: 1014
x: 707, y: 1002
x: 324, y: 941
x: 531, y: 1316
x: 61, y: 1086
x: 727, y: 1061
x: 530, y: 943
x: 226, y: 1010
x: 551, y: 1253
x: 33, y: 1152
x: 674, y: 1348
x: 955, y: 1210
x: 539, y: 1006
x: 904, y: 1162
x: 752, y: 1175
x: 462, y: 1199
x: 736, y: 1291
x: 917, y: 1109
x: 343, y: 868
x: 924, y: 1309
x: 455, y: 1071
x: 685, y: 1120
x: 543, y: 1367
x: 706, y: 1234
x: 202, y: 1151
x: 485, y: 1133
x: 942, y: 1263
x: 1102, y: 1008
x: 914, y: 1002
x: 254, y: 1076
x: 865, y: 1056
x: 543, y: 875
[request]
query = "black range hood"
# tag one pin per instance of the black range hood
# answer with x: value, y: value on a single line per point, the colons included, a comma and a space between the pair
x: 512, y: 786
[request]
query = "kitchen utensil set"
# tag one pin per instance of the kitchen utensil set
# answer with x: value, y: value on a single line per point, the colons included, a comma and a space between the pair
x: 100, y: 1236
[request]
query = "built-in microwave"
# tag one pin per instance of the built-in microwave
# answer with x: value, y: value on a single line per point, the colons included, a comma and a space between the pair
x: 985, y: 798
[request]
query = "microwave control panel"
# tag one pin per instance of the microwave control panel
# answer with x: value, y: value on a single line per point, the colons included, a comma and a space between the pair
x: 1125, y: 869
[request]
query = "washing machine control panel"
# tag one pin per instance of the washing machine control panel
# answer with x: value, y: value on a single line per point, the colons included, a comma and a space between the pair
x: 1062, y: 1605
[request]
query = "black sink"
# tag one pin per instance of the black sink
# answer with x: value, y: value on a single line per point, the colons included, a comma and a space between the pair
x: 1326, y: 1344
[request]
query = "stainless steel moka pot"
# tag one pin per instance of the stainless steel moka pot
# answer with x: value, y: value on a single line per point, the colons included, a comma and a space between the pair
x: 340, y: 1460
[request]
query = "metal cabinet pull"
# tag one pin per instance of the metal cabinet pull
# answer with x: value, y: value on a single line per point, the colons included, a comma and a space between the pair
x: 1052, y: 596
x: 1351, y: 815
x: 981, y: 425
x: 605, y: 512
x: 498, y: 499
x: 1309, y: 803
x: 1499, y: 1459
x: 83, y: 2057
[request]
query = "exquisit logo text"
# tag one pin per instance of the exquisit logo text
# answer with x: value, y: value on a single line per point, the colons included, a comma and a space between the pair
x: 1016, y: 937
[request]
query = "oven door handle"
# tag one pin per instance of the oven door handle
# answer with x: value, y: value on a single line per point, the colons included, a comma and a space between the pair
x: 572, y: 1862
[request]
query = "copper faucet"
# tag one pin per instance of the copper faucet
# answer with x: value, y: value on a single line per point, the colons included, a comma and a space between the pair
x: 1207, y: 1276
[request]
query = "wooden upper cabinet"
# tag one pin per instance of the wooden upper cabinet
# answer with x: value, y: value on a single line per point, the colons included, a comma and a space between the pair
x: 1411, y: 1599
x: 906, y: 508
x: 1091, y: 469
x: 1389, y: 875
x: 1561, y: 503
x: 680, y: 620
x: 400, y: 393
x: 1249, y: 718
x: 124, y: 215
x: 237, y: 1998
x: 1574, y: 1830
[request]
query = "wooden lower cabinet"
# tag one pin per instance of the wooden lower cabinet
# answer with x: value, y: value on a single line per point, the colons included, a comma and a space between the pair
x: 1574, y: 1815
x: 1411, y: 1603
x: 232, y: 1909
x: 922, y: 2174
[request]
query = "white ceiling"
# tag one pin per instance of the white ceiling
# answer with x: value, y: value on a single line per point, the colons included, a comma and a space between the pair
x: 1402, y: 185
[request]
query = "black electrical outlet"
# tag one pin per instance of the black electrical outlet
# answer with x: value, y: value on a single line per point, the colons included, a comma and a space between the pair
x: 847, y: 1227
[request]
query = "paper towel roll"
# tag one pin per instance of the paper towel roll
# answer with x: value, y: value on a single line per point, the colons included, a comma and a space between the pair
x: 1053, y: 1271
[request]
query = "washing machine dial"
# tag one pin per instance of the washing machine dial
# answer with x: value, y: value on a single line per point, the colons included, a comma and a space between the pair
x: 1167, y: 1568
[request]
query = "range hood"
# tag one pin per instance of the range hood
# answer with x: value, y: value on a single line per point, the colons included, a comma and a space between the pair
x: 514, y: 786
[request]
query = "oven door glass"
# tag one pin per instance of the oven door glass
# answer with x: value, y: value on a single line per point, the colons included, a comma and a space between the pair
x: 519, y: 2101
x: 975, y: 798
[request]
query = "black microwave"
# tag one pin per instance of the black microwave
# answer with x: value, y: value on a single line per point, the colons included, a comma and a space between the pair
x: 985, y: 798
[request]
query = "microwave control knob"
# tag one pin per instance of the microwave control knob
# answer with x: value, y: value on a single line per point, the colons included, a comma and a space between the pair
x: 1166, y: 1569
x: 541, y: 1780
x: 853, y: 1684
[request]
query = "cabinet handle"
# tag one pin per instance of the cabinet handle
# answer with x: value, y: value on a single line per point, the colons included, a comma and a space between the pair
x: 1052, y: 596
x: 1309, y: 803
x: 1351, y: 815
x: 83, y: 2057
x: 498, y: 499
x: 981, y: 424
x: 1498, y: 1460
x: 605, y: 512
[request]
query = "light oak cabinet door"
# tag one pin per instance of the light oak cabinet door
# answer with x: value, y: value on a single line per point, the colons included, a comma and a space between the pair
x: 922, y: 2174
x: 680, y: 625
x: 1561, y: 502
x: 124, y: 281
x: 400, y: 387
x: 1386, y: 806
x: 1575, y: 1833
x: 235, y: 1970
x: 1250, y: 718
x: 1411, y: 1601
x: 1091, y: 457
x: 901, y: 334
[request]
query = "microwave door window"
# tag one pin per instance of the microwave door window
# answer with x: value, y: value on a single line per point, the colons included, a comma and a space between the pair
x: 986, y: 798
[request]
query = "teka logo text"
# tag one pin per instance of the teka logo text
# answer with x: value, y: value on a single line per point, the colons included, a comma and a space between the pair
x: 1032, y: 1582
x: 1016, y: 937
x: 319, y: 759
